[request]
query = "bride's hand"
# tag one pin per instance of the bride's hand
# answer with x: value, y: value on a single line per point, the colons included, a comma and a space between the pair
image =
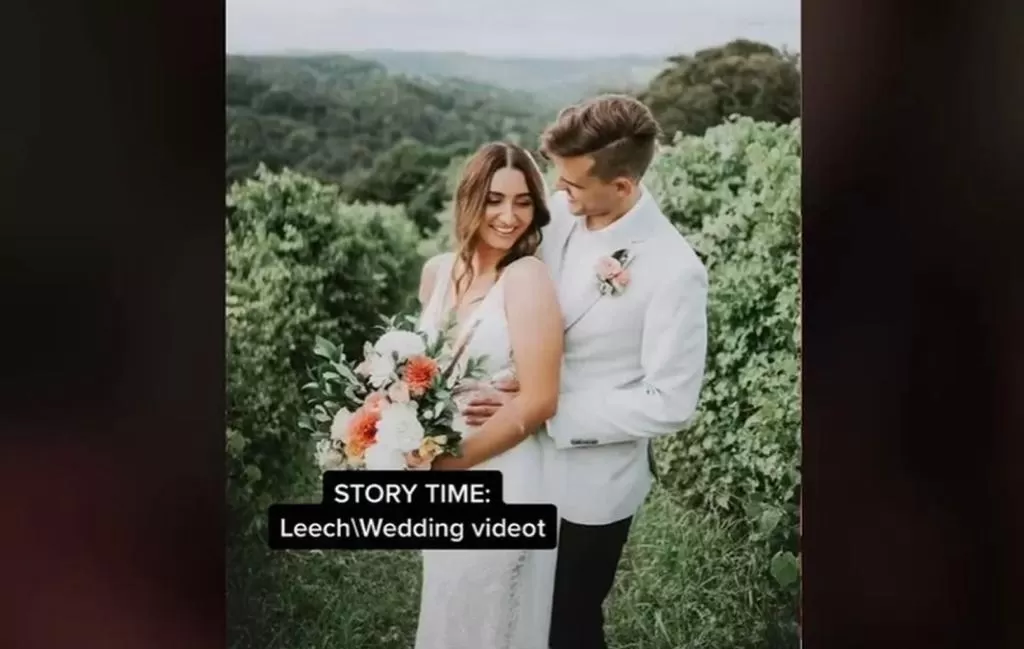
x: 445, y: 463
x: 417, y: 463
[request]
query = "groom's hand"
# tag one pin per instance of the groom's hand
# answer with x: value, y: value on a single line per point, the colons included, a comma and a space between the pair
x: 482, y: 406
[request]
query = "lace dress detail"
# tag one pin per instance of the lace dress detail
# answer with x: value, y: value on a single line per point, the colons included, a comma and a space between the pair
x: 487, y: 599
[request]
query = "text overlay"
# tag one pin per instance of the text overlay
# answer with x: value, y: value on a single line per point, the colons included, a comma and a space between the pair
x: 408, y: 510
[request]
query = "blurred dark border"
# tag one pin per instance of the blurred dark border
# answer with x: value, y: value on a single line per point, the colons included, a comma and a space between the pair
x: 112, y: 388
x: 112, y: 405
x: 913, y: 316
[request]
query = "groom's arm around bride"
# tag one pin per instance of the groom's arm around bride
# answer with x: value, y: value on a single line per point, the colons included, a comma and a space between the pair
x: 673, y: 342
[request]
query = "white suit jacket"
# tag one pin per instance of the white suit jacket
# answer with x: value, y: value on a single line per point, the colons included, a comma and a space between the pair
x: 633, y: 365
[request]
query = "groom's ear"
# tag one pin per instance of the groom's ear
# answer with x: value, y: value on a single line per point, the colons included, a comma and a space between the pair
x: 623, y: 186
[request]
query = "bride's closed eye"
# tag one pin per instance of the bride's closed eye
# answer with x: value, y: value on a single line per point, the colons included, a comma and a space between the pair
x: 494, y: 198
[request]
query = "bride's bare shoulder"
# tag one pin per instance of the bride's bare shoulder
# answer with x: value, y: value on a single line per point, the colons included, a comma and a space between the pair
x: 428, y: 276
x: 528, y: 272
x: 530, y: 296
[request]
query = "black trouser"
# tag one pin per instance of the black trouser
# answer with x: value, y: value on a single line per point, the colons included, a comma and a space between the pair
x: 588, y: 556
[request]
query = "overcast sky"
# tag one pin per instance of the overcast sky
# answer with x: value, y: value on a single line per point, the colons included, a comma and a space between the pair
x: 509, y: 27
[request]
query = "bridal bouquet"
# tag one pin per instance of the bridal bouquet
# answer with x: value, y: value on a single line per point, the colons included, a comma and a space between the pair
x: 396, y: 404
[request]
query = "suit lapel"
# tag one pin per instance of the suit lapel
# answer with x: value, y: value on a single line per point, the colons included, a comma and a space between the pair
x: 555, y: 249
x: 582, y: 302
x: 592, y: 295
x: 581, y: 306
x: 629, y: 237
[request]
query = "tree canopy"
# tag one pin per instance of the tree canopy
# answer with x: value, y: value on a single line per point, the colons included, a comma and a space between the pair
x: 380, y: 137
x: 741, y: 77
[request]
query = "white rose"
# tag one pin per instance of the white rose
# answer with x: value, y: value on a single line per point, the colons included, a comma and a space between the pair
x: 399, y: 427
x: 399, y: 392
x: 363, y: 369
x: 381, y: 370
x: 328, y: 457
x: 339, y: 427
x: 402, y: 343
x: 381, y: 457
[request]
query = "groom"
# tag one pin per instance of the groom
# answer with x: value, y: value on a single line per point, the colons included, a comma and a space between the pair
x: 635, y: 344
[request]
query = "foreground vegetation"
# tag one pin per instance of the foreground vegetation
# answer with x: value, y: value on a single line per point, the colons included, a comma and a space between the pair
x: 712, y: 558
x: 686, y: 581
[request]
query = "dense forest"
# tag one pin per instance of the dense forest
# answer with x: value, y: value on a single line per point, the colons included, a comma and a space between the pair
x: 388, y: 130
x: 381, y: 137
x: 742, y: 77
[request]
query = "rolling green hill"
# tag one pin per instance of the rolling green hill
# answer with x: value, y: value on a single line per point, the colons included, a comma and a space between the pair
x: 554, y: 82
x: 387, y: 127
x: 330, y: 115
x: 379, y: 135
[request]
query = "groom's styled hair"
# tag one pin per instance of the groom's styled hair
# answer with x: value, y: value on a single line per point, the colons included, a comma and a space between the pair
x: 617, y: 131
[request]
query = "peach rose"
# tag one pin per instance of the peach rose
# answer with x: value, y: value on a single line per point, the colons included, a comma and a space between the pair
x: 398, y: 392
x: 362, y: 432
x: 419, y: 374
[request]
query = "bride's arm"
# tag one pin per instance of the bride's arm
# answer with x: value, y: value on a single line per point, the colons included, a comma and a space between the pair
x: 536, y: 334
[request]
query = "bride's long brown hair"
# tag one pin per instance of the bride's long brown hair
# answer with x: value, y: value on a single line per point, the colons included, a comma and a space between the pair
x: 470, y: 206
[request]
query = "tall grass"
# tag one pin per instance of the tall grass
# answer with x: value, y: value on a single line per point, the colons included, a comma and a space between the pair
x: 686, y: 581
x: 689, y: 580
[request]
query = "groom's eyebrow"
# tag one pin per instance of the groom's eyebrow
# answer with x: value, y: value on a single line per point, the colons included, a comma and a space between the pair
x: 569, y: 182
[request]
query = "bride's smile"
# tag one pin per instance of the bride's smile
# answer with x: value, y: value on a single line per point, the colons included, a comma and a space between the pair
x: 509, y: 210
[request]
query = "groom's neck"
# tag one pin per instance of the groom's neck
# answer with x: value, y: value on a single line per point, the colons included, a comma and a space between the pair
x: 597, y: 222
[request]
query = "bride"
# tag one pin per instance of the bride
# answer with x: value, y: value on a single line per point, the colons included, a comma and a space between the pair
x: 506, y: 309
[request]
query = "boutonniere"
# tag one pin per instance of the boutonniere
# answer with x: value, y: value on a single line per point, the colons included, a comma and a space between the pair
x: 612, y: 272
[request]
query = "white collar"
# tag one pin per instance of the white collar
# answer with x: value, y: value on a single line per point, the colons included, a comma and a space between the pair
x: 631, y: 227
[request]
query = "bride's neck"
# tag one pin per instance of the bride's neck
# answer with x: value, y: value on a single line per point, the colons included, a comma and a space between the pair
x: 484, y: 264
x: 485, y: 261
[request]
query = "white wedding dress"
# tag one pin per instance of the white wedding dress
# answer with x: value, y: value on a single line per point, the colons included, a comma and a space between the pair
x: 487, y: 599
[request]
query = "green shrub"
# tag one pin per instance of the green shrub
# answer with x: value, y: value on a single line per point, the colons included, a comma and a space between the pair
x: 442, y: 239
x: 300, y: 263
x: 735, y: 194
